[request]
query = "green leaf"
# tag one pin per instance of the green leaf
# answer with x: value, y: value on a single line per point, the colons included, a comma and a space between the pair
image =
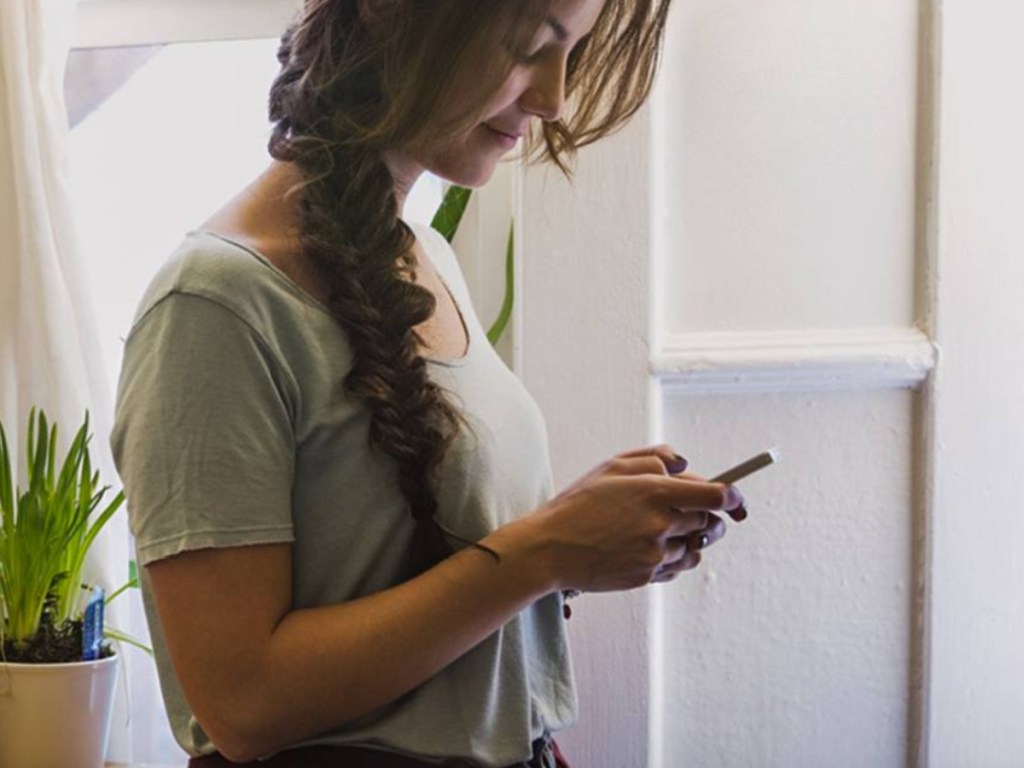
x: 6, y: 480
x: 449, y: 214
x: 116, y: 634
x: 103, y: 518
x: 446, y: 221
x: 130, y: 584
x: 506, y: 306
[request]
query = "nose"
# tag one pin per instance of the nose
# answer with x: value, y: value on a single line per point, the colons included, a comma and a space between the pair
x: 544, y: 95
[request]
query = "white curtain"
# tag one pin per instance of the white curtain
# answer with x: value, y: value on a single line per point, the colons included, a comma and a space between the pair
x: 50, y: 356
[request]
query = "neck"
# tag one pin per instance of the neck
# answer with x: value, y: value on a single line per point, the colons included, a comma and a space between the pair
x: 405, y: 173
x: 272, y: 191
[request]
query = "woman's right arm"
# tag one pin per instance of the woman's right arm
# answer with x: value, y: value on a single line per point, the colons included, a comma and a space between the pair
x: 260, y: 675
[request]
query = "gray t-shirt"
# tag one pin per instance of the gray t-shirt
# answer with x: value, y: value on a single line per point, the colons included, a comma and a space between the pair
x: 231, y: 430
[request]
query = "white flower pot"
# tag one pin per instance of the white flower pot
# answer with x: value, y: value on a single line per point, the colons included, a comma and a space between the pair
x: 56, y: 715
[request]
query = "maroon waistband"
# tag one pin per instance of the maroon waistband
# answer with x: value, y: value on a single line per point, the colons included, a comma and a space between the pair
x: 360, y: 757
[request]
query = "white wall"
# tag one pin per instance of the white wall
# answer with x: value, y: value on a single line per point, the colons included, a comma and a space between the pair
x: 785, y: 182
x: 767, y: 257
x: 584, y: 358
x: 786, y: 161
x: 791, y: 645
x: 977, y: 617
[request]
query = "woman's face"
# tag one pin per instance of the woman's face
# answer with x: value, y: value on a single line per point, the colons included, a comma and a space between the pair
x: 533, y: 90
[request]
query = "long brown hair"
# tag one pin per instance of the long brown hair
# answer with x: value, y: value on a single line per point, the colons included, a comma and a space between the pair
x: 361, y: 77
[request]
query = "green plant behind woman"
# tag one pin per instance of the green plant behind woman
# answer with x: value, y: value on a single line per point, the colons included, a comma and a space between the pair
x: 45, y: 534
x: 446, y: 221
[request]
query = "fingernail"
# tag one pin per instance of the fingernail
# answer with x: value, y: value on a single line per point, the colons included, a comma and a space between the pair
x: 677, y: 465
x: 733, y: 498
x: 703, y: 541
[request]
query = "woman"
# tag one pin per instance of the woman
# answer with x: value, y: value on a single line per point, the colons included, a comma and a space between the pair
x: 353, y: 555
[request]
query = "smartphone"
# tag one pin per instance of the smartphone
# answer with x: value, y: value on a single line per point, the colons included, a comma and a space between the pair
x: 747, y: 467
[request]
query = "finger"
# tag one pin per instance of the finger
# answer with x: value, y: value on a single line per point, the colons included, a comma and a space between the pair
x: 673, y: 462
x: 737, y: 514
x: 711, y: 533
x: 669, y: 571
x: 690, y: 476
x: 701, y: 538
x: 685, y: 523
x: 647, y: 464
x: 676, y: 548
x: 740, y: 513
x: 691, y: 494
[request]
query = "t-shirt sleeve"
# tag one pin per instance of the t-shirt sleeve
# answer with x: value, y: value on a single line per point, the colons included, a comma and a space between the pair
x: 203, y: 436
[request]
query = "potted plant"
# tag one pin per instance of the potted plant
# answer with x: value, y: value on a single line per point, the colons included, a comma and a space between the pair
x: 57, y: 674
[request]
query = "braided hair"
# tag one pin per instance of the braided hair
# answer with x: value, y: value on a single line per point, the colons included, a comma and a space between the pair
x: 354, y: 85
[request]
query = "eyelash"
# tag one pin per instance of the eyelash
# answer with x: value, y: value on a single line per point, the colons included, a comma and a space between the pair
x: 525, y: 57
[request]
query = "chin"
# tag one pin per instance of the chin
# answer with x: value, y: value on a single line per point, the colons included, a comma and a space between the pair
x: 469, y: 177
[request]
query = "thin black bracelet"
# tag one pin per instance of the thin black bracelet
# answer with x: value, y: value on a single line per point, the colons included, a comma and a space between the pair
x: 475, y: 544
x: 488, y: 550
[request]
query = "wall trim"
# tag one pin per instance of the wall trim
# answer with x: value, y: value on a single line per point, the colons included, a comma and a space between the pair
x: 113, y: 23
x: 856, y: 358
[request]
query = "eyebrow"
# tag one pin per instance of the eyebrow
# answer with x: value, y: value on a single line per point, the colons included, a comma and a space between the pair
x: 560, y: 32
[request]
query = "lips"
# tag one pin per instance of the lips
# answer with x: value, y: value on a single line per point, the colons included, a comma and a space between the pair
x: 511, y: 134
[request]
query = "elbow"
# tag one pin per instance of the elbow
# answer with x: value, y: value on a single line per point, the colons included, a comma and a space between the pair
x: 236, y: 730
x: 232, y: 741
x: 238, y: 745
x: 233, y: 753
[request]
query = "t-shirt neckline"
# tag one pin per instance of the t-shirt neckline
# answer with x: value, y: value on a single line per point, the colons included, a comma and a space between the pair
x: 457, y: 362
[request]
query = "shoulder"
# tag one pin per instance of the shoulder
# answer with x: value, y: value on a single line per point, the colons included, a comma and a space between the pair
x: 440, y: 251
x: 431, y: 239
x: 207, y: 266
x: 217, y: 305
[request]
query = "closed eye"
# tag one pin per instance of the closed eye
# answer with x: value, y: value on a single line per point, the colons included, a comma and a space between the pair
x: 561, y: 35
x: 558, y: 28
x: 522, y: 55
x: 525, y: 57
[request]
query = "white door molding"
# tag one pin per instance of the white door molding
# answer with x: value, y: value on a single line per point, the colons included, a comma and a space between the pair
x: 111, y: 23
x: 816, y: 359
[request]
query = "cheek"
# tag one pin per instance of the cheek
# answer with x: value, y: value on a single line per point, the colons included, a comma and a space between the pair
x: 505, y: 97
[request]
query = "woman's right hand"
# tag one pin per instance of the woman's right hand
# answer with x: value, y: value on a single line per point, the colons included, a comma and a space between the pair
x: 628, y: 522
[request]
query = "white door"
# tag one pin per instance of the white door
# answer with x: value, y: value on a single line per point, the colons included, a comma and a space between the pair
x: 773, y: 254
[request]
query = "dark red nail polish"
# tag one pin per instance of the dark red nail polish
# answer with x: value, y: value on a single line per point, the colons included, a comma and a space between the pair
x: 677, y: 465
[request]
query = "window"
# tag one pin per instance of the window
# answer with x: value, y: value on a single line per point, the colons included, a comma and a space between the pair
x: 162, y: 136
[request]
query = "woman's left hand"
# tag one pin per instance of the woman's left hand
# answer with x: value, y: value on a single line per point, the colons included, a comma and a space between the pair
x: 693, y: 544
